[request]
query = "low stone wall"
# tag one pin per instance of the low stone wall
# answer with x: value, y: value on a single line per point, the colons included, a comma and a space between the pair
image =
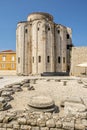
x: 24, y: 120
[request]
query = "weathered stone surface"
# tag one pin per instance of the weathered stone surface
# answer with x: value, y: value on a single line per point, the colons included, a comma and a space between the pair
x: 32, y: 121
x: 3, y: 129
x: 73, y: 108
x: 17, y: 88
x: 84, y: 122
x: 16, y: 126
x: 33, y: 81
x: 22, y: 121
x: 26, y: 85
x: 71, y: 99
x: 41, y: 102
x: 31, y: 88
x: 81, y: 115
x: 79, y: 127
x: 59, y: 124
x: 50, y: 123
x: 25, y: 127
x: 44, y: 128
x: 68, y: 125
x: 41, y: 122
x: 35, y: 128
x: 85, y: 101
x: 3, y: 104
x: 26, y: 81
x: 8, y: 98
x: 9, y: 129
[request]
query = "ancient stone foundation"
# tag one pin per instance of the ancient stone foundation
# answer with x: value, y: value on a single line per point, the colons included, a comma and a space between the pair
x: 24, y: 120
x: 73, y: 118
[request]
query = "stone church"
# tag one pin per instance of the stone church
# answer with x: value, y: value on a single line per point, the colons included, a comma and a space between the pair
x: 42, y: 45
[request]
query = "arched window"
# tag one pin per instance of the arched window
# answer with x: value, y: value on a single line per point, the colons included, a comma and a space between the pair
x: 33, y: 59
x: 67, y: 36
x: 26, y: 30
x: 48, y: 59
x: 39, y: 59
x: 58, y: 31
x: 38, y: 28
x: 49, y: 29
x: 63, y: 59
x: 59, y: 59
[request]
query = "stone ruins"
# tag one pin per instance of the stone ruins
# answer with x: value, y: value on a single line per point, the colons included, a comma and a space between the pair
x: 71, y: 115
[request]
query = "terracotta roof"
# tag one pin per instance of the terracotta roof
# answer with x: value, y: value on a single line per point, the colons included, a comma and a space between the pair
x: 7, y: 51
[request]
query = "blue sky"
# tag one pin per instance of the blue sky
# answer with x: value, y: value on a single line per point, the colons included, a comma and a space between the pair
x: 71, y: 13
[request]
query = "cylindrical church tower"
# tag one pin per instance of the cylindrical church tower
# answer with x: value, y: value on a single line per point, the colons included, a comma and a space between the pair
x: 41, y: 45
x: 42, y: 42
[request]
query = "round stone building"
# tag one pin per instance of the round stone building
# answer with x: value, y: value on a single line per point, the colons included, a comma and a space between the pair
x: 42, y: 45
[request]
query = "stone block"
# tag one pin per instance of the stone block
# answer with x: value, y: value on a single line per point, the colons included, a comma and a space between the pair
x: 9, y: 125
x: 16, y: 126
x: 41, y: 122
x: 59, y: 124
x: 68, y: 125
x: 1, y: 125
x: 3, y: 129
x: 50, y: 123
x: 44, y: 128
x: 22, y: 121
x: 79, y: 127
x: 84, y: 122
x: 73, y: 108
x: 31, y: 122
x: 53, y: 128
x: 35, y: 128
x: 9, y: 129
x: 25, y: 127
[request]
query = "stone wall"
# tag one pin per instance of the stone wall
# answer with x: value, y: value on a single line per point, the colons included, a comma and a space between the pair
x: 78, y: 56
x: 21, y: 120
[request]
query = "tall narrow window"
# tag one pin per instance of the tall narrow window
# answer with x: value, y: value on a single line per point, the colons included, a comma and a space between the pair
x: 18, y: 60
x: 13, y: 58
x: 33, y: 59
x: 3, y: 58
x: 38, y: 29
x: 63, y: 59
x: 48, y: 59
x: 67, y: 36
x: 26, y: 30
x: 58, y: 31
x: 48, y: 29
x: 39, y: 59
x: 59, y: 59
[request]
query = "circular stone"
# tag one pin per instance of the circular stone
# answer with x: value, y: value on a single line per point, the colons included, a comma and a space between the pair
x: 41, y: 102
